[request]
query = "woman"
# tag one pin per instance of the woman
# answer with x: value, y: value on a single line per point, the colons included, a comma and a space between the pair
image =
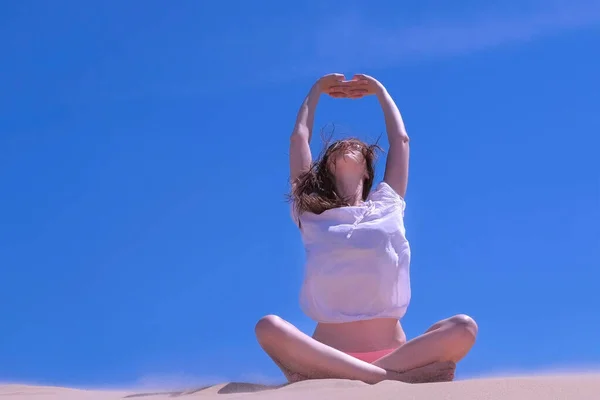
x: 356, y: 284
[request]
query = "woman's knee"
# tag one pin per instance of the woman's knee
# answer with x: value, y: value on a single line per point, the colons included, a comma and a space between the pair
x: 463, y: 326
x: 268, y: 328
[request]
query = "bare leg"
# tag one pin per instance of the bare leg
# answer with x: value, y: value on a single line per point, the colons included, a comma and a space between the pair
x: 448, y: 340
x: 290, y: 375
x: 301, y: 357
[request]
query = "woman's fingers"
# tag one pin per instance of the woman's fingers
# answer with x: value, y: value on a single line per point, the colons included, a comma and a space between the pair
x: 357, y: 92
x: 362, y: 77
x: 336, y: 86
x: 327, y: 81
x: 350, y: 93
x: 336, y: 90
x: 337, y: 94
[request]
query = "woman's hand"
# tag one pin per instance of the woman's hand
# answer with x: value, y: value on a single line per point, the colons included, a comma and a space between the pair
x: 364, y: 85
x: 359, y: 86
x: 333, y: 85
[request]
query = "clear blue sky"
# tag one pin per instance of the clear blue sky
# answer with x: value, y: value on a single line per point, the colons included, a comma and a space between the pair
x: 143, y: 167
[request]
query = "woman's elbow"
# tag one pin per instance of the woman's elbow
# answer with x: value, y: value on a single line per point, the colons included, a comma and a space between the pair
x: 299, y: 136
x: 401, y: 139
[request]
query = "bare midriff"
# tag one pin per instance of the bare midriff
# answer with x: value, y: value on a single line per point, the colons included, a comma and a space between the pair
x: 361, y: 336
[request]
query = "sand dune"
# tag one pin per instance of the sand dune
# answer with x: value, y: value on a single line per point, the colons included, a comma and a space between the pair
x: 559, y: 387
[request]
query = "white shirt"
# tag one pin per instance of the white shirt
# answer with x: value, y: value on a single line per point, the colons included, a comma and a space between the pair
x: 357, y: 260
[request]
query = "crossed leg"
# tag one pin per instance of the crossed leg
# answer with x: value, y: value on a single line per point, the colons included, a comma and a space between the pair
x: 429, y: 357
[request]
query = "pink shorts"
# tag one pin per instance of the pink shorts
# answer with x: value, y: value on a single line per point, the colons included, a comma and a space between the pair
x: 371, y: 356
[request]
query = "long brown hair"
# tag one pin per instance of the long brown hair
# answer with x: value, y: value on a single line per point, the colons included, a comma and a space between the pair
x: 315, y: 190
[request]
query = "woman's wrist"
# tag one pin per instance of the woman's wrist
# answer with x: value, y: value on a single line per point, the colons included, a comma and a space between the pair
x: 380, y: 90
x: 315, y: 93
x: 318, y: 87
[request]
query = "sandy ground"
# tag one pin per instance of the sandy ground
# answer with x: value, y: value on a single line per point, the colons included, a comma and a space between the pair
x: 549, y: 387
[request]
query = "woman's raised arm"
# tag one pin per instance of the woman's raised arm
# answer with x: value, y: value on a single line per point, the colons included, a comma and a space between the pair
x: 300, y: 155
x: 396, y: 168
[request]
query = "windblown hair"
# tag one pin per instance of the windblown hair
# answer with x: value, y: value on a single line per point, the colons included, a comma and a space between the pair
x: 315, y: 191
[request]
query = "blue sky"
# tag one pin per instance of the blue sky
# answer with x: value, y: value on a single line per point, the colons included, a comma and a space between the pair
x: 143, y: 166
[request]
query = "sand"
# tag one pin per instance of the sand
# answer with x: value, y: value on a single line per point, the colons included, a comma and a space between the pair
x: 548, y: 387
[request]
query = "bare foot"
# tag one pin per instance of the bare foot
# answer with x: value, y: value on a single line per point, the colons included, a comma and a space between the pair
x: 291, y: 376
x: 435, y: 372
x: 294, y: 377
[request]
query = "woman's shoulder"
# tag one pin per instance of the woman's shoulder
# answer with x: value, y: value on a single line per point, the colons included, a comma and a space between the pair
x: 385, y: 193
